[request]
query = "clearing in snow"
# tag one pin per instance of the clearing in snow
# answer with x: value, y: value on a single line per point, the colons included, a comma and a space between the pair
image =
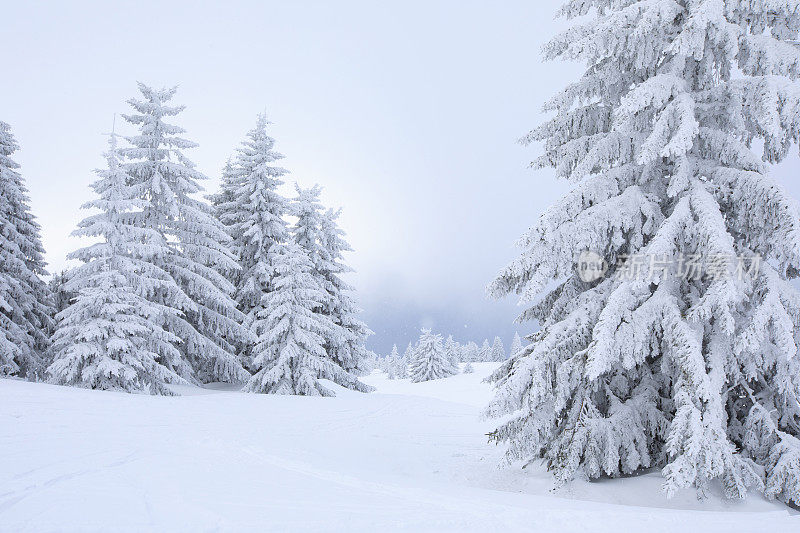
x: 409, y: 457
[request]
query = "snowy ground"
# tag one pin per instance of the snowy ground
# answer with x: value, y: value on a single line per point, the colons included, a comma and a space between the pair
x: 409, y: 457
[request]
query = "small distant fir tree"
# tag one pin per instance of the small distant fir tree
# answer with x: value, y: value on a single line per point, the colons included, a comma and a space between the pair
x: 470, y: 353
x: 395, y: 368
x: 498, y: 352
x: 516, y: 345
x: 430, y: 361
x: 453, y: 350
x: 485, y: 353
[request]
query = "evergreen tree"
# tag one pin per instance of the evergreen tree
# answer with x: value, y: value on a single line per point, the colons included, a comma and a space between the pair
x: 408, y: 354
x: 498, y: 352
x: 516, y: 345
x: 290, y: 356
x: 109, y: 337
x: 693, y: 372
x: 468, y: 369
x: 485, y: 353
x: 195, y: 244
x: 26, y: 306
x: 393, y: 363
x: 430, y: 360
x: 318, y: 233
x: 348, y: 346
x: 471, y: 352
x: 224, y: 200
x: 452, y: 349
x: 62, y: 298
x: 225, y: 209
x: 256, y: 216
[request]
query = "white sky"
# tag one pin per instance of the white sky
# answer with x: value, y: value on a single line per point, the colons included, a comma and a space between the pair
x: 407, y: 115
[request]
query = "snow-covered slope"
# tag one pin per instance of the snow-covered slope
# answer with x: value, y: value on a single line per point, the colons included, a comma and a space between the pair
x: 409, y: 457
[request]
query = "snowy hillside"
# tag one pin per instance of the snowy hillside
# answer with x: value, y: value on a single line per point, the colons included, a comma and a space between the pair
x: 408, y: 457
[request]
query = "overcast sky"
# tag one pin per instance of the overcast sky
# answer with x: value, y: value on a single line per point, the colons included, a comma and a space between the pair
x: 407, y: 115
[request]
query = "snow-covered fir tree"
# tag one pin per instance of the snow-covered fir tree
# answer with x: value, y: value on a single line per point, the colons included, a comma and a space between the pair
x: 430, y: 360
x: 468, y: 369
x: 393, y: 363
x: 256, y: 217
x: 226, y: 209
x: 110, y: 337
x: 485, y: 352
x: 374, y: 361
x: 61, y: 296
x: 694, y: 372
x: 289, y: 355
x: 400, y: 368
x: 347, y: 348
x: 453, y: 350
x: 408, y: 354
x: 471, y: 352
x: 498, y: 352
x: 317, y: 231
x: 516, y: 345
x: 196, y: 255
x: 26, y: 306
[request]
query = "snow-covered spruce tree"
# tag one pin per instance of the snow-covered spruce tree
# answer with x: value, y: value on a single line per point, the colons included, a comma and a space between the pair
x: 468, y: 369
x: 471, y: 352
x: 516, y: 345
x: 318, y: 233
x: 430, y: 360
x: 347, y: 348
x: 290, y: 355
x: 408, y: 354
x: 110, y: 337
x: 205, y: 317
x: 225, y: 208
x: 26, y: 307
x: 393, y: 363
x: 485, y: 353
x: 400, y: 368
x: 498, y: 352
x: 61, y: 296
x: 453, y: 350
x: 256, y: 217
x: 696, y: 374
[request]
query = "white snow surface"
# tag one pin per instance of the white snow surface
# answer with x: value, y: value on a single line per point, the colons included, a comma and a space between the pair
x: 408, y: 457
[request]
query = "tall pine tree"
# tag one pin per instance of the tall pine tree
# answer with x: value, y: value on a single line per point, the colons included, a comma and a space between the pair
x: 204, y: 315
x: 109, y: 336
x: 695, y: 373
x: 257, y: 218
x: 26, y: 306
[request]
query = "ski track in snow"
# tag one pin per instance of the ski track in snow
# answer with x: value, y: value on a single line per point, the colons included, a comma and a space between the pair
x: 409, y: 457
